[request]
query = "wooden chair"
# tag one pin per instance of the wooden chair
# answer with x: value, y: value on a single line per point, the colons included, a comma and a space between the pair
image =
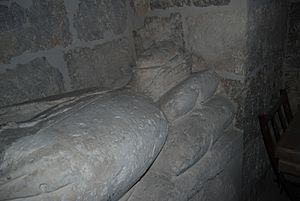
x: 273, y: 125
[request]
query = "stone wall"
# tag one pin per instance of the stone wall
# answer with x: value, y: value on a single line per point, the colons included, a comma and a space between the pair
x: 267, y: 27
x: 243, y: 41
x: 292, y: 59
x: 49, y: 47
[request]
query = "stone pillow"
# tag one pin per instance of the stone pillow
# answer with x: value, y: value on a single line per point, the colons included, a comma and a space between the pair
x: 191, y: 92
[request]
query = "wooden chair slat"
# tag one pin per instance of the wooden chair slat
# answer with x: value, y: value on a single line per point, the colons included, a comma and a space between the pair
x: 288, y: 164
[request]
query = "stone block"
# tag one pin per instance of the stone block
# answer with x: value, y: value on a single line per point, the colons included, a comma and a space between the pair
x: 223, y: 45
x: 94, y: 18
x: 157, y: 29
x: 36, y: 79
x: 107, y: 65
x: 94, y: 149
x: 33, y: 28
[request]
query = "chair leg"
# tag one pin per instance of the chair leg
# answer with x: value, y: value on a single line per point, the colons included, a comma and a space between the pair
x: 291, y: 194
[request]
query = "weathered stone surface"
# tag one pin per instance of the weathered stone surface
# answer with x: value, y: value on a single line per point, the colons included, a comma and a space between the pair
x: 33, y: 109
x: 198, y: 64
x: 204, y: 3
x: 267, y: 27
x: 258, y: 98
x: 160, y: 68
x: 255, y: 164
x: 292, y: 59
x: 159, y: 54
x: 163, y: 4
x: 33, y: 28
x: 235, y: 90
x: 265, y: 47
x: 94, y: 18
x: 30, y: 81
x: 190, y: 93
x: 141, y: 7
x: 292, y: 84
x: 95, y: 149
x: 190, y: 138
x: 219, y: 110
x: 158, y: 29
x: 154, y: 186
x: 227, y: 183
x: 108, y: 65
x: 218, y: 37
x: 187, y: 142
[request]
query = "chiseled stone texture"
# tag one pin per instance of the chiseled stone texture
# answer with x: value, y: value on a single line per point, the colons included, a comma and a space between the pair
x: 34, y: 28
x: 292, y: 84
x: 142, y: 6
x: 30, y: 81
x: 94, y: 149
x: 107, y: 65
x: 94, y: 18
x: 157, y: 29
x: 160, y: 68
x: 218, y: 37
x: 255, y: 164
x: 235, y: 90
x: 204, y: 3
x: 292, y: 59
x: 267, y: 26
x: 163, y: 4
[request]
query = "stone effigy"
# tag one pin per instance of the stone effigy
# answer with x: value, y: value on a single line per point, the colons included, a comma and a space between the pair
x: 94, y: 148
x: 121, y: 145
x: 196, y: 150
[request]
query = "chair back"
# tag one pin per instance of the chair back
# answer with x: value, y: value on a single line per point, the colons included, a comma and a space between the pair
x: 273, y: 124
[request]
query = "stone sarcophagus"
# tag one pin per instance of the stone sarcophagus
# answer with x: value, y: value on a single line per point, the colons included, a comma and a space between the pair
x: 166, y: 137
